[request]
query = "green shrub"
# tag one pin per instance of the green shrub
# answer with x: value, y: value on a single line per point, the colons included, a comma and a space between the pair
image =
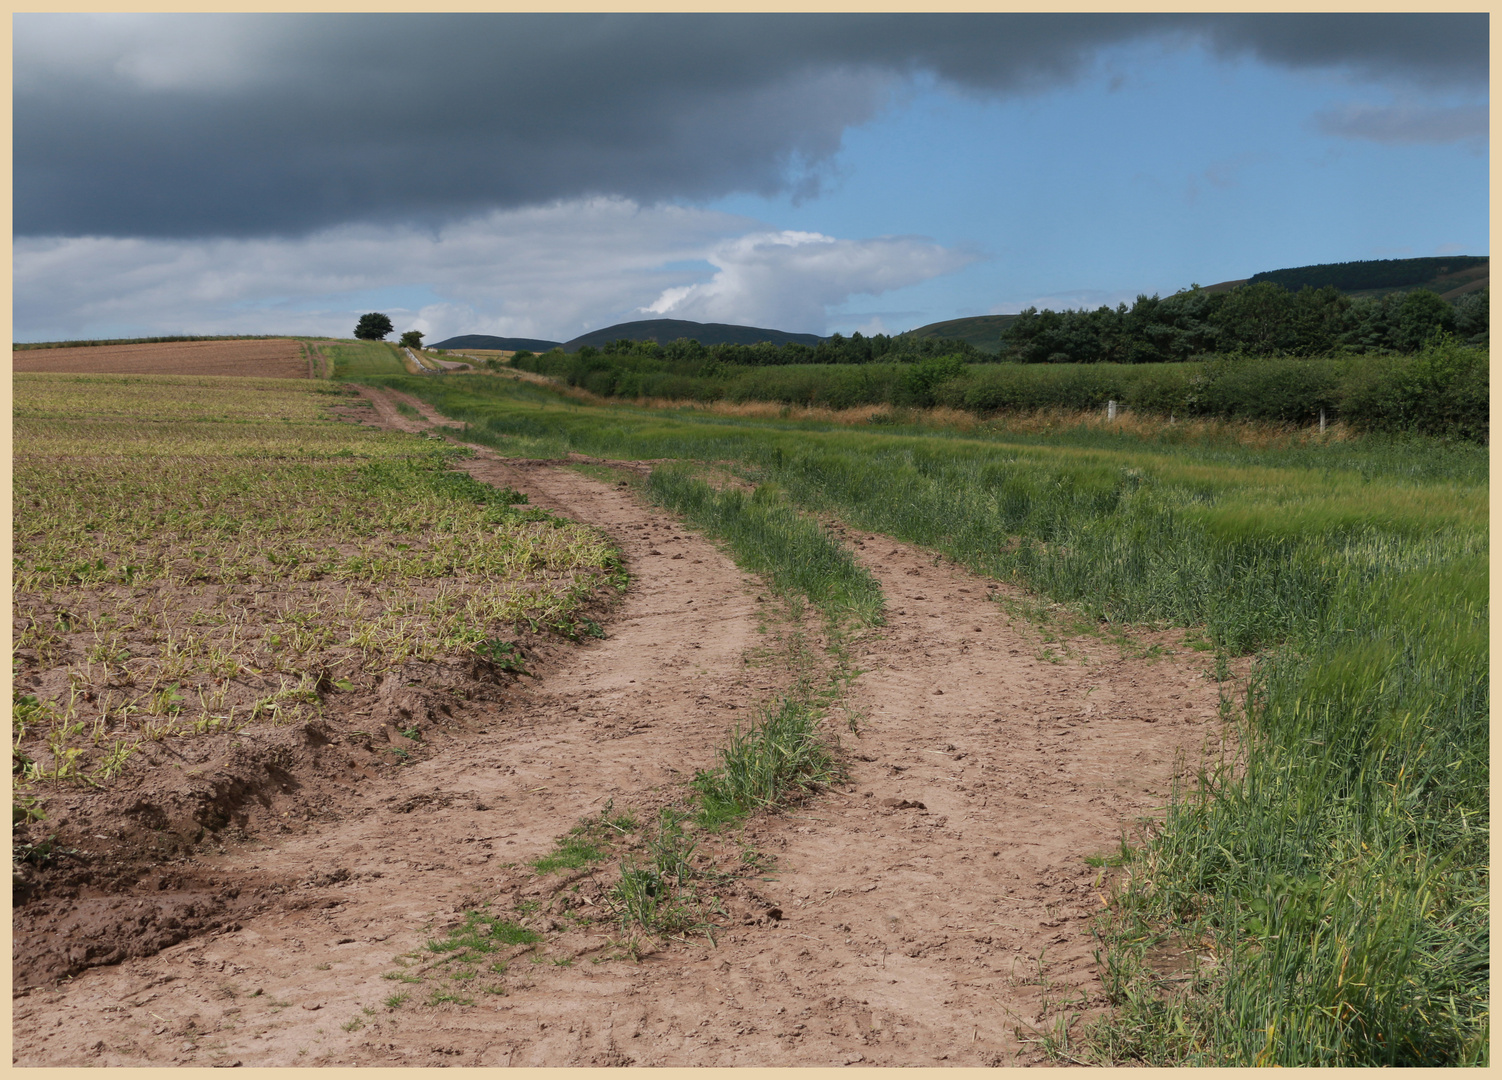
x: 1443, y: 391
x: 1287, y: 389
x: 918, y: 381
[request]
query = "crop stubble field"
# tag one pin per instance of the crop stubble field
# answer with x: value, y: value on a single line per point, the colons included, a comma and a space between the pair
x: 1322, y: 904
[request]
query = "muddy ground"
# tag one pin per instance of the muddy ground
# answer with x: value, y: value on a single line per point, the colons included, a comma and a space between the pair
x: 933, y: 910
x: 271, y: 358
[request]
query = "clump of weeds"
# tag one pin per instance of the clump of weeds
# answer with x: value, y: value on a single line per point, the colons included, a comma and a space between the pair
x: 767, y: 764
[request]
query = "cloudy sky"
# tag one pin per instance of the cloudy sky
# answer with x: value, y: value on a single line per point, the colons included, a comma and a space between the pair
x: 545, y: 175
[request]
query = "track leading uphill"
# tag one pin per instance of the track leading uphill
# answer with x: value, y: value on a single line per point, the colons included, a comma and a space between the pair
x: 932, y: 910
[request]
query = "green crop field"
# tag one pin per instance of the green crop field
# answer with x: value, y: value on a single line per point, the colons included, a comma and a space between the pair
x: 193, y: 554
x: 1336, y: 871
x: 353, y: 359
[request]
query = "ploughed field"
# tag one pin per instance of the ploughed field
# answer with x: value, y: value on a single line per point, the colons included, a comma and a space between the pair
x: 274, y: 358
x: 349, y: 733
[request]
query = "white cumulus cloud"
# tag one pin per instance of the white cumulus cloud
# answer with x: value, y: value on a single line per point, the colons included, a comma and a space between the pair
x: 553, y: 271
x: 789, y: 279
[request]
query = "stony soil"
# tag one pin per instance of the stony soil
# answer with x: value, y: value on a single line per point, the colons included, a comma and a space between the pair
x: 933, y: 910
x: 271, y: 358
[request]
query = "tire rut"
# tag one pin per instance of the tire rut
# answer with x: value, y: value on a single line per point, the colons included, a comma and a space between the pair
x: 625, y: 719
x: 934, y: 910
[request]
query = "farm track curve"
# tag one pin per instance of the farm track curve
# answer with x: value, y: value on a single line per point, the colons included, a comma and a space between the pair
x: 938, y: 933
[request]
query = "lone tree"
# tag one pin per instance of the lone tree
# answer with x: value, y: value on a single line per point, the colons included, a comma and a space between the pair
x: 412, y: 339
x: 373, y: 327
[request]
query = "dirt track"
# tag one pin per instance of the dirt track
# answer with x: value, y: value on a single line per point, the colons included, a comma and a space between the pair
x: 908, y: 935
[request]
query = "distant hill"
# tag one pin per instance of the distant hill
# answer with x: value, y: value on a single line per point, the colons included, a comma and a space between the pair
x: 982, y: 331
x: 1448, y: 275
x: 485, y: 341
x: 665, y: 330
x: 1451, y: 276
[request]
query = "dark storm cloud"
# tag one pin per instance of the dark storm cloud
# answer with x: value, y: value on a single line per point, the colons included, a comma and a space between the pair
x: 259, y: 125
x: 1434, y: 50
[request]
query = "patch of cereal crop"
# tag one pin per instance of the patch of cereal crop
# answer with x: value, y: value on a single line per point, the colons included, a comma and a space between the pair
x: 193, y: 553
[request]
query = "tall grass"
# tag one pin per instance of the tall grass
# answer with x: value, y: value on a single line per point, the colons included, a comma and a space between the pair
x: 1337, y: 872
x: 768, y: 536
x: 1340, y: 866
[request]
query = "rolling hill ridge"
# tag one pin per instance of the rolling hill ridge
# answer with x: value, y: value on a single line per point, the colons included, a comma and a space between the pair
x: 666, y: 330
x: 486, y: 341
x: 1451, y: 276
x: 659, y: 330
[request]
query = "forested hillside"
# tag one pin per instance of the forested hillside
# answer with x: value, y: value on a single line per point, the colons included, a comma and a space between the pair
x: 1259, y: 319
x: 1453, y: 278
x: 1378, y: 275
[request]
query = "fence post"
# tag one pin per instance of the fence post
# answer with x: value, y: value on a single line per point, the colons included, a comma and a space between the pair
x: 1322, y: 421
x: 1111, y: 409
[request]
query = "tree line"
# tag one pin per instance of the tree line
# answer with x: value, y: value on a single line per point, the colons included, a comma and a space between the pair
x: 835, y: 349
x: 1441, y: 390
x: 1261, y: 319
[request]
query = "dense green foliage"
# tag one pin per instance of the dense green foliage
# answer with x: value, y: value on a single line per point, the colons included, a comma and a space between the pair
x: 1370, y: 273
x: 373, y: 326
x: 1338, y: 871
x: 1266, y: 317
x: 1441, y: 390
x: 1262, y: 319
x: 650, y: 357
